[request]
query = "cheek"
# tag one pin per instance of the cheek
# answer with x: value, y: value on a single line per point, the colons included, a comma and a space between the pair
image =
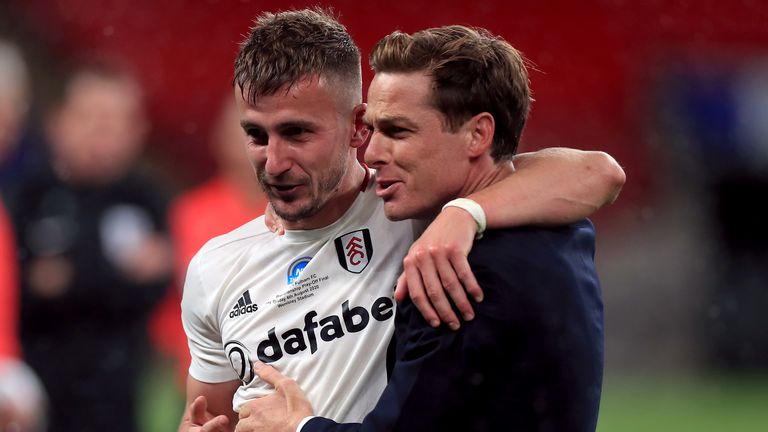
x: 433, y: 172
x: 423, y: 168
x: 257, y: 156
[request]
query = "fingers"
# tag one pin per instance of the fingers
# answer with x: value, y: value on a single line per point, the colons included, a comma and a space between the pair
x: 466, y: 277
x: 267, y: 373
x: 286, y: 389
x: 435, y: 278
x: 432, y: 266
x: 216, y: 424
x: 245, y: 411
x: 198, y: 410
x: 269, y: 218
x: 435, y: 288
x: 199, y: 415
x: 272, y: 221
x: 401, y: 289
x: 282, y: 384
x: 453, y: 286
x: 417, y: 292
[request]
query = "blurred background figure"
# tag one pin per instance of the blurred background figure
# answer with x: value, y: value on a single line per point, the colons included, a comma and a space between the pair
x: 22, y: 398
x: 716, y: 118
x: 94, y: 252
x: 18, y: 149
x: 229, y: 199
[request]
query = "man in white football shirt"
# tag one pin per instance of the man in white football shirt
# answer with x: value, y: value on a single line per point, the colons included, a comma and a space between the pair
x: 317, y: 302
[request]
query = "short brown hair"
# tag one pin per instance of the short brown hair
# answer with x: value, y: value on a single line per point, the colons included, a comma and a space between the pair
x: 286, y: 47
x: 472, y: 72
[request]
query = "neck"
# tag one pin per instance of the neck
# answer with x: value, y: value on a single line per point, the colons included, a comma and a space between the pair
x: 485, y: 173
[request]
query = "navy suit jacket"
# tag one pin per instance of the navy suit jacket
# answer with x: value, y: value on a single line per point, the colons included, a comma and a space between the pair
x: 531, y: 360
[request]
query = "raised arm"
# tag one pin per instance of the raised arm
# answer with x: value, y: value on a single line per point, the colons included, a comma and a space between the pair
x: 553, y: 186
x: 549, y: 187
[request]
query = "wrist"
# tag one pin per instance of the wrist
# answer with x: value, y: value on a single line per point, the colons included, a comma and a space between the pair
x: 303, y: 422
x: 474, y: 209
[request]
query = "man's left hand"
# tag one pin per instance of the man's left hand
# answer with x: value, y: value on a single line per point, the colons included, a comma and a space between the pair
x: 436, y: 272
x: 281, y: 411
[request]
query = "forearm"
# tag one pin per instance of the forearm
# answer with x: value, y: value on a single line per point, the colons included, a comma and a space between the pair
x: 551, y: 187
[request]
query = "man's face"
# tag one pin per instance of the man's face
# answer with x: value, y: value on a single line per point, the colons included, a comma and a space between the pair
x: 420, y: 164
x: 99, y: 129
x: 299, y: 145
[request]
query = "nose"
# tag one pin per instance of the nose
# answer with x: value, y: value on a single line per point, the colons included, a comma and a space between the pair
x: 378, y: 152
x: 278, y: 158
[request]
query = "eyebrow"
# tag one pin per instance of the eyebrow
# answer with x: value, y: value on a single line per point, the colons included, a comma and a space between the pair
x: 303, y: 124
x: 246, y: 124
x: 391, y: 121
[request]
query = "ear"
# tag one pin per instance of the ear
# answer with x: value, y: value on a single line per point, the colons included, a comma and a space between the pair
x: 361, y: 133
x: 482, y: 127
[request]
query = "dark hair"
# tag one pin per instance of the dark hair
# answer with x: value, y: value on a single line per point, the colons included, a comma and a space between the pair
x: 472, y: 72
x: 283, y: 48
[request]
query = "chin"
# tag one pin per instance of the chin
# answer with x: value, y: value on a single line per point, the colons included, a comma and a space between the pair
x: 392, y: 212
x: 399, y: 212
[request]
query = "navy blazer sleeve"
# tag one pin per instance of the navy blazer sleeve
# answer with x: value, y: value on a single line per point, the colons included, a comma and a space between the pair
x: 532, y: 358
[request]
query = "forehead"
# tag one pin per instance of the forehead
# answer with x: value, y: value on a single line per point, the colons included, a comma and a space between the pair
x: 310, y: 97
x: 94, y: 82
x: 399, y: 95
x: 92, y: 92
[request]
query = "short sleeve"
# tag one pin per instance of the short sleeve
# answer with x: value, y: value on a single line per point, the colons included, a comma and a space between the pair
x: 198, y: 313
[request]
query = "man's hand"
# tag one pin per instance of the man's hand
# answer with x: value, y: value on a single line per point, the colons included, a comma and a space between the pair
x: 281, y: 411
x: 437, y: 263
x: 273, y: 221
x: 200, y: 420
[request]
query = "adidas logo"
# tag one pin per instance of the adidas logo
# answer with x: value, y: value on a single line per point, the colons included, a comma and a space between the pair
x: 243, y: 306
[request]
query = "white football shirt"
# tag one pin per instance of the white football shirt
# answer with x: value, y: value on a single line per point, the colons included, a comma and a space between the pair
x: 315, y: 304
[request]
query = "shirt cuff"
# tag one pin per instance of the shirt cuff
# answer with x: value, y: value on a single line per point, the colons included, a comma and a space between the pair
x: 303, y: 422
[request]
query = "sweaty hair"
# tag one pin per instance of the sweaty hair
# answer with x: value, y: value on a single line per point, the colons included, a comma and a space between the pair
x: 472, y: 72
x: 286, y: 47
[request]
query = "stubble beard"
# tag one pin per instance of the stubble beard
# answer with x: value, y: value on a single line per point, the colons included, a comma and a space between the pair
x: 325, y: 189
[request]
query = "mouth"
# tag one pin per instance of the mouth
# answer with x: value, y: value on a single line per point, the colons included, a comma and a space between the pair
x: 283, y: 190
x: 385, y: 188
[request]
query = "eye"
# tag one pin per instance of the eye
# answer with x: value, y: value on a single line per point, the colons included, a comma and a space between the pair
x: 256, y: 136
x: 295, y: 132
x: 396, y: 132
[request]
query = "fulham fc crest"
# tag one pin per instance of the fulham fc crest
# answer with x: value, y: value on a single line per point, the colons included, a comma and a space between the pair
x: 354, y: 250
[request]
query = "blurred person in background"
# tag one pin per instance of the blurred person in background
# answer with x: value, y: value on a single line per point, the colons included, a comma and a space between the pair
x: 19, y: 152
x: 94, y: 252
x: 22, y: 398
x: 224, y: 202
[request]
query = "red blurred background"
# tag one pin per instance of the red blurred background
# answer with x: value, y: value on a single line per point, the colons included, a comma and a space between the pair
x: 594, y: 60
x: 642, y: 80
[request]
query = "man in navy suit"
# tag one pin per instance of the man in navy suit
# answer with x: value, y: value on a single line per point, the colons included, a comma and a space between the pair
x: 447, y: 108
